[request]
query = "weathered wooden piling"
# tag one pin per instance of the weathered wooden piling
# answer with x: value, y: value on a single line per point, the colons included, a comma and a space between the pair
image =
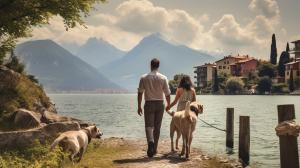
x: 229, y: 127
x: 289, y: 157
x: 244, y: 140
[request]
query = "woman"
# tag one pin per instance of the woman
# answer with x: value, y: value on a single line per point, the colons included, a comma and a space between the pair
x: 184, y: 93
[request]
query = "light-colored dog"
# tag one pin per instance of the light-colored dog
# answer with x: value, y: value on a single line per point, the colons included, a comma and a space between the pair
x: 184, y: 123
x: 76, y: 142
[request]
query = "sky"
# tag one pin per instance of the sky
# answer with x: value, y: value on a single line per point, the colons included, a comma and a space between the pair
x: 224, y: 26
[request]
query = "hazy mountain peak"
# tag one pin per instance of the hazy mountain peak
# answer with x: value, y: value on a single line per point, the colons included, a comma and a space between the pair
x: 98, y: 52
x: 59, y: 70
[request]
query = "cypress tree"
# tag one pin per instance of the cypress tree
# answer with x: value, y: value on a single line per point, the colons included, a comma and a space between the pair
x: 288, y: 50
x: 284, y: 58
x: 216, y: 81
x: 273, y: 55
x: 287, y: 47
x: 291, y: 82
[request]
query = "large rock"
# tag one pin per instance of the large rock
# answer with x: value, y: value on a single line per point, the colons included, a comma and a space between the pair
x: 49, y: 117
x: 48, y: 132
x: 26, y: 119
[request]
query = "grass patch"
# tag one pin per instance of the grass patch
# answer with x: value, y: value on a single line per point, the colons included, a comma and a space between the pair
x: 101, y: 155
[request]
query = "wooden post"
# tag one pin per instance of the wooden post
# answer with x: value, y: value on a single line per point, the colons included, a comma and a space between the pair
x: 229, y: 127
x: 289, y: 157
x: 244, y: 140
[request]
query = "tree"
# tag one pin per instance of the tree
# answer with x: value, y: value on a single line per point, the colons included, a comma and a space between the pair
x: 264, y: 85
x: 266, y: 69
x: 291, y: 82
x: 287, y: 49
x: 273, y: 55
x: 234, y: 85
x: 18, y: 17
x: 284, y: 58
x: 215, y: 87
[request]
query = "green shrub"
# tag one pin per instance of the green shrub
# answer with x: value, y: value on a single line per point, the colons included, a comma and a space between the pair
x: 37, y: 156
x: 15, y: 65
x: 234, y: 85
x: 279, y: 88
x: 264, y: 85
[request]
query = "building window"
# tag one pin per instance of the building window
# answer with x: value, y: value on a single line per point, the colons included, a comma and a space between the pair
x: 298, y: 73
x: 224, y: 67
x: 227, y: 62
x: 224, y: 62
x: 220, y: 67
x: 288, y: 73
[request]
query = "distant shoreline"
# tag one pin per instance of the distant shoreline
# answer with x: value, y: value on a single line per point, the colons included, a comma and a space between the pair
x: 131, y: 93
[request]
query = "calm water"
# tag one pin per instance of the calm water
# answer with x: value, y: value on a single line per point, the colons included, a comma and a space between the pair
x: 116, y: 115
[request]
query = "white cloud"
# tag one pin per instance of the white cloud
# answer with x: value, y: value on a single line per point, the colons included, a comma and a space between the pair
x: 134, y: 19
x: 229, y: 32
x: 143, y: 17
x: 268, y: 8
x: 261, y: 27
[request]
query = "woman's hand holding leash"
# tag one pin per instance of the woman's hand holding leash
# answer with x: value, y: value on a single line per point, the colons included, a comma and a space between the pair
x: 171, y: 113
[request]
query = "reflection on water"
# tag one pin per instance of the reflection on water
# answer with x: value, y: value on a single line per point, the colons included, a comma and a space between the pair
x: 117, y: 116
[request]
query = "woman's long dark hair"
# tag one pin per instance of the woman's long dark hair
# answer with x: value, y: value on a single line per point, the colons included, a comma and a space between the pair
x: 185, y: 83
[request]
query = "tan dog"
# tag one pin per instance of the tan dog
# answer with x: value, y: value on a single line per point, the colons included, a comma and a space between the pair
x: 184, y: 123
x: 76, y: 142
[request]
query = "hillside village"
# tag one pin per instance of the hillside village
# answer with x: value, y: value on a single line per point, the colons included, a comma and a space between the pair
x: 244, y: 74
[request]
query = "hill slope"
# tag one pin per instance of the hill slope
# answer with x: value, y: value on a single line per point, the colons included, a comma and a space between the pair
x: 59, y: 70
x: 98, y: 52
x: 174, y: 59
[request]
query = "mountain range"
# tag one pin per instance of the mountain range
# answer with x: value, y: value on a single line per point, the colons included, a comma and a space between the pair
x: 59, y: 70
x: 100, y: 65
x: 174, y: 59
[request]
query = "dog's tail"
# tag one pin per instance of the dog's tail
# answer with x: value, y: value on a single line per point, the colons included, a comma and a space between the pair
x: 187, y: 110
x: 57, y: 141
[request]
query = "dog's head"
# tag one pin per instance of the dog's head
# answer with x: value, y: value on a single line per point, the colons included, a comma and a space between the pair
x: 94, y: 132
x: 196, y: 107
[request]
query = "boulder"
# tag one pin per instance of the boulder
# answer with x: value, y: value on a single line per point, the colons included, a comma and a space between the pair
x: 26, y: 119
x: 49, y: 117
x: 47, y: 132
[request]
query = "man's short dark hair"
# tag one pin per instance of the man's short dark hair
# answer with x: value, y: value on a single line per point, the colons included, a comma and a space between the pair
x: 154, y: 63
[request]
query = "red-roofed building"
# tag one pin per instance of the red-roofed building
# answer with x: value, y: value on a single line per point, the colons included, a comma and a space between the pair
x: 243, y: 67
x: 224, y: 65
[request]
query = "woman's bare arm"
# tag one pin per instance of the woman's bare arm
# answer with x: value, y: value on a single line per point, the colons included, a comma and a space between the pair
x: 178, y: 94
x: 194, y: 95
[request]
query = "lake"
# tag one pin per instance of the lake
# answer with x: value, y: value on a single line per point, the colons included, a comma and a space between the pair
x: 116, y: 115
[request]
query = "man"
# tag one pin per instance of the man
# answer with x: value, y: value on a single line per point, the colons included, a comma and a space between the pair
x: 155, y: 86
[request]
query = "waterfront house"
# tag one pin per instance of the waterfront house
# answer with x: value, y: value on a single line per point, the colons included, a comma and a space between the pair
x: 224, y: 65
x: 296, y: 50
x: 292, y: 67
x: 204, y: 74
x: 243, y: 67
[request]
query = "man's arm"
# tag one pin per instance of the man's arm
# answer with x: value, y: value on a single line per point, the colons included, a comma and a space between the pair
x: 141, y: 90
x: 140, y: 98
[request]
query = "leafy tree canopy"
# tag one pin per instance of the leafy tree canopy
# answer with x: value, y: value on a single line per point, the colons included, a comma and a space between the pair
x: 234, y: 85
x: 17, y: 17
x: 267, y: 69
x: 264, y: 85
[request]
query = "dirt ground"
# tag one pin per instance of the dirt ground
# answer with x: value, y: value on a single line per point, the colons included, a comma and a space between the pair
x: 132, y: 154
